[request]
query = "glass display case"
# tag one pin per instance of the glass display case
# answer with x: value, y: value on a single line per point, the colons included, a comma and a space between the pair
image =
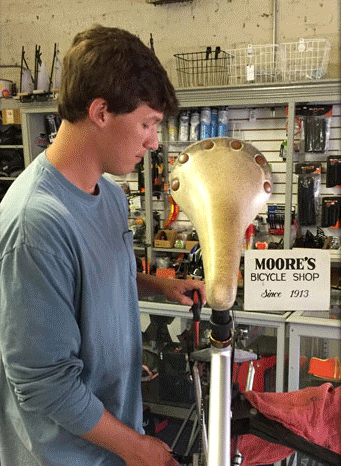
x: 265, y: 333
x: 314, y: 348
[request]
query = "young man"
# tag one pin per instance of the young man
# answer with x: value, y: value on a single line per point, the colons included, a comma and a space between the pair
x: 70, y: 337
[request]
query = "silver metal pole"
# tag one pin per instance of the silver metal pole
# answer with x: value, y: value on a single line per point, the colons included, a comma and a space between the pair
x: 220, y: 407
x: 274, y: 32
x: 289, y: 175
x: 148, y: 205
x: 250, y: 376
x: 198, y: 391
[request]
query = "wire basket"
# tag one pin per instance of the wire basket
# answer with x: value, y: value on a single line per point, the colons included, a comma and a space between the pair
x: 304, y: 60
x: 202, y: 69
x: 255, y: 64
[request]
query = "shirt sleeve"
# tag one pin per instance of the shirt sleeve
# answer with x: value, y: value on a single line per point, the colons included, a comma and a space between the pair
x: 40, y: 339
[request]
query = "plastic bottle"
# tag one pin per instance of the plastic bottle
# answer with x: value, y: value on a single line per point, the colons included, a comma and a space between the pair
x: 205, y: 122
x: 195, y: 124
x: 214, y: 123
x: 223, y: 122
x: 173, y: 128
x: 184, y: 120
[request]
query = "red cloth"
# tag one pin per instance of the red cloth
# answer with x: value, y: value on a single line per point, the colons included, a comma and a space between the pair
x: 313, y: 413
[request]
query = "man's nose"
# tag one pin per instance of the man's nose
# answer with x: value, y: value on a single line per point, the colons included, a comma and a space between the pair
x: 152, y: 142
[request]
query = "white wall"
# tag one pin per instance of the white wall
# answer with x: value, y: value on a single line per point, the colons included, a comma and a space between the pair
x: 176, y: 28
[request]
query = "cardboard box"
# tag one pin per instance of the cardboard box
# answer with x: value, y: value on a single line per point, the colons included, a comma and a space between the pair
x: 190, y: 244
x: 11, y: 116
x: 162, y: 243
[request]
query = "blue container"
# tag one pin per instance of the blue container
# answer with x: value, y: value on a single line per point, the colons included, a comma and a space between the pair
x: 214, y: 123
x: 205, y: 130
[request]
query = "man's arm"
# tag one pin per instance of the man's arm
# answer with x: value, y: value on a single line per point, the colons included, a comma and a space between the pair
x: 135, y: 449
x: 172, y: 289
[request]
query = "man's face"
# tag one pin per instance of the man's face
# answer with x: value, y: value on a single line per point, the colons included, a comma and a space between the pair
x: 128, y: 137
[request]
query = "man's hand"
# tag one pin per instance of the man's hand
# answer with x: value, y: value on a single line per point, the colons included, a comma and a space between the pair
x: 181, y: 290
x: 134, y: 448
x: 173, y: 289
x: 151, y: 452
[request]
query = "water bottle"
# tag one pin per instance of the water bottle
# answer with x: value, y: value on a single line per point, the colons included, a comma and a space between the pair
x: 205, y: 122
x: 223, y: 122
x: 173, y: 128
x: 195, y: 124
x: 184, y: 120
x: 214, y: 123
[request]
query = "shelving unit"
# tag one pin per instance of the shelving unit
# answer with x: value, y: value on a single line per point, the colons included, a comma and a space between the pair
x: 7, y: 178
x: 9, y: 104
x: 249, y: 96
x: 33, y: 123
x: 271, y: 96
x: 327, y: 92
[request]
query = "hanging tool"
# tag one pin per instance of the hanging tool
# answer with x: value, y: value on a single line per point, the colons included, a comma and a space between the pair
x: 151, y: 42
x: 196, y: 311
x: 207, y: 53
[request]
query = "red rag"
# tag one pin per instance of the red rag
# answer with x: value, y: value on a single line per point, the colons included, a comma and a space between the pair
x: 313, y: 413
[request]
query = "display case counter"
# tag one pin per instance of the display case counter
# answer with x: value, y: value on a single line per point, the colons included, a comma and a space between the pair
x: 266, y: 330
x: 314, y: 348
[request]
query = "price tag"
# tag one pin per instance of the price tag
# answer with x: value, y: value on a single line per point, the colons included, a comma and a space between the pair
x: 10, y: 116
x: 287, y: 280
x: 250, y: 72
x: 135, y: 203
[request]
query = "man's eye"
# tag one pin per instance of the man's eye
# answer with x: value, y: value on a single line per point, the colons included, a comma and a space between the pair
x: 146, y: 126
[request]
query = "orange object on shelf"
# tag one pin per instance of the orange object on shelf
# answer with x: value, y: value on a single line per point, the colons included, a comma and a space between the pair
x: 166, y: 273
x: 325, y: 368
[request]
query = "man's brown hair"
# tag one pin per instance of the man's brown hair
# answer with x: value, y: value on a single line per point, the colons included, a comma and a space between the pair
x: 115, y: 65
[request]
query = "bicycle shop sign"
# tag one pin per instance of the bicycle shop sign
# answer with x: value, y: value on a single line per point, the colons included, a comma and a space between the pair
x: 287, y: 280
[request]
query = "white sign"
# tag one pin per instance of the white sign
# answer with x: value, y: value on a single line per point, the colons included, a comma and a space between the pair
x: 287, y: 280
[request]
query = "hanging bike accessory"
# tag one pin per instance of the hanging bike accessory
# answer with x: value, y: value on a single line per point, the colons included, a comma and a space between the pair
x: 316, y: 125
x: 309, y: 184
x: 26, y: 79
x: 333, y: 171
x: 205, y: 68
x: 331, y: 212
x: 173, y: 212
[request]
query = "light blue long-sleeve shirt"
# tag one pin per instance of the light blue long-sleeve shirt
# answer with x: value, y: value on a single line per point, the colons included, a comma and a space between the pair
x: 70, y: 337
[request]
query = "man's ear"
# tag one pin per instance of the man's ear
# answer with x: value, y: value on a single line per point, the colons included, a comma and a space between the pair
x: 98, y: 112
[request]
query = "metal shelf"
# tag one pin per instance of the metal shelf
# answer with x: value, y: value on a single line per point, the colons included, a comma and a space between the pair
x: 258, y: 94
x: 167, y: 2
x: 176, y: 250
x: 49, y: 106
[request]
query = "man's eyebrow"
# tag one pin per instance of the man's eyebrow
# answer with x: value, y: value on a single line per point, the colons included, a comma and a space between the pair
x: 154, y: 119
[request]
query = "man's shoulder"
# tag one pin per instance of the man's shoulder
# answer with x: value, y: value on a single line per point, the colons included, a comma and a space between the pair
x: 32, y: 213
x: 114, y: 190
